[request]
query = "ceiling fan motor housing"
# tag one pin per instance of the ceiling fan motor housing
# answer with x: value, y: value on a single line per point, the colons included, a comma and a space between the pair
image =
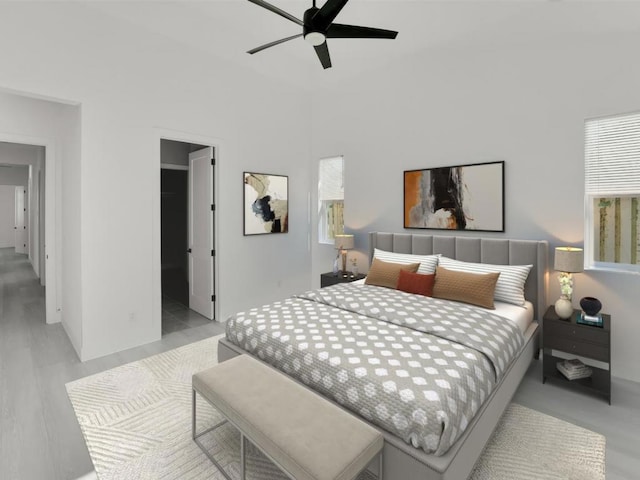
x: 311, y: 32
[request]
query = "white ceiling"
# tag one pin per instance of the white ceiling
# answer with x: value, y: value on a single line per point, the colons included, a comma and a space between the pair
x: 228, y: 28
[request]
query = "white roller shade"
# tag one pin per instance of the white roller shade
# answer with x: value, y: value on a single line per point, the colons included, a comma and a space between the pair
x: 331, y: 185
x: 612, y: 155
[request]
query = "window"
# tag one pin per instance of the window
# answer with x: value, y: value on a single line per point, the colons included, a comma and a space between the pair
x: 612, y: 192
x: 330, y: 198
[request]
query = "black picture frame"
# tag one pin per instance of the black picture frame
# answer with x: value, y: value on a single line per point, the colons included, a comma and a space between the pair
x: 265, y: 203
x: 469, y: 197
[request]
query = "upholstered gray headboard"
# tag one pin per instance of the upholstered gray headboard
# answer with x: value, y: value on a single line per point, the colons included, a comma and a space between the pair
x: 482, y: 250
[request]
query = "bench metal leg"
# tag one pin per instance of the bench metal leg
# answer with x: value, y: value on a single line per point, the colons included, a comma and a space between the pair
x: 243, y: 459
x: 193, y: 413
x: 196, y: 437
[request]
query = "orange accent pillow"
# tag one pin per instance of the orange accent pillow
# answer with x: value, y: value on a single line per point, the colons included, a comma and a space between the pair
x: 385, y: 274
x: 417, y: 283
x: 473, y: 288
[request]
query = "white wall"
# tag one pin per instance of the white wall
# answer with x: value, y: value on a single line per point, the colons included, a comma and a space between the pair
x: 524, y: 102
x: 7, y: 215
x: 70, y: 273
x: 40, y: 174
x: 126, y: 92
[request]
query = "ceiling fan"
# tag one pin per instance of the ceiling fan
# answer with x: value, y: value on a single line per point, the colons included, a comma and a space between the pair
x: 318, y: 26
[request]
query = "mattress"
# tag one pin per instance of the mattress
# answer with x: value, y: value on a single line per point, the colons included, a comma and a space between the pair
x: 418, y: 367
x: 521, y: 316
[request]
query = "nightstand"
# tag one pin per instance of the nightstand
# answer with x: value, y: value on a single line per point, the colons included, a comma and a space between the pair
x: 584, y: 340
x: 328, y: 279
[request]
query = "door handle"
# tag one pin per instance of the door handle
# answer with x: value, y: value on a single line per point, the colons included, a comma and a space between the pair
x: 189, y: 250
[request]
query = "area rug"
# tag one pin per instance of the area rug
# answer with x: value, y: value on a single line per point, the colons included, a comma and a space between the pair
x: 136, y: 421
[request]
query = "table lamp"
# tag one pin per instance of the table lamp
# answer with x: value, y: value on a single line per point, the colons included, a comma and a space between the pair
x: 344, y: 243
x: 568, y: 260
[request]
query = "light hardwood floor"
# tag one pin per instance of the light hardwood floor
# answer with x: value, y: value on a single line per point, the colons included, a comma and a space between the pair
x: 40, y: 438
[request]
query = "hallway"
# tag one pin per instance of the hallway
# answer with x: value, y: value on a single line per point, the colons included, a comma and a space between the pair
x: 39, y: 436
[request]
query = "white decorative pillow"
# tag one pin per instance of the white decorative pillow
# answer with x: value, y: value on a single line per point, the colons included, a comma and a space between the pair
x: 428, y: 263
x: 510, y: 286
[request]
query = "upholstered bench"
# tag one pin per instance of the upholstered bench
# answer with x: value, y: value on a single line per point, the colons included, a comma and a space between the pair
x: 306, y: 436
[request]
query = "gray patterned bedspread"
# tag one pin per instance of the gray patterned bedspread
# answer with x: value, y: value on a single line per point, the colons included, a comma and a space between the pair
x: 416, y: 366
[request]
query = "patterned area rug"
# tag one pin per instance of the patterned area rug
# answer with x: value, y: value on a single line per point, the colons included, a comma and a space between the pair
x: 529, y: 445
x: 136, y: 421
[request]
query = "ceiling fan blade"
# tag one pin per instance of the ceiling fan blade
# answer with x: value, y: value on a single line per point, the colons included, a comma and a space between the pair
x: 282, y: 13
x: 273, y: 44
x: 337, y: 30
x: 323, y: 55
x: 328, y: 13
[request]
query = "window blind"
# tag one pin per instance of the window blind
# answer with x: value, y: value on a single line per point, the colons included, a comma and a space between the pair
x: 331, y: 185
x: 612, y: 155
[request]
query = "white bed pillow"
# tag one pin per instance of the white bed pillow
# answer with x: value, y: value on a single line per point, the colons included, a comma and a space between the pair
x: 510, y: 286
x: 428, y: 263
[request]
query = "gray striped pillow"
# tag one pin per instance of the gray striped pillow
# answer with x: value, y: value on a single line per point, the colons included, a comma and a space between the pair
x: 428, y: 263
x: 510, y: 286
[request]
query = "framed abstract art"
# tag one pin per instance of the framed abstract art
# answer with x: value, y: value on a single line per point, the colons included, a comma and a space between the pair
x: 266, y: 203
x: 461, y: 197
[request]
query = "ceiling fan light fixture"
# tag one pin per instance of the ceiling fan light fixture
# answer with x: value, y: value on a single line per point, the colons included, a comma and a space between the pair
x: 318, y: 25
x: 315, y: 38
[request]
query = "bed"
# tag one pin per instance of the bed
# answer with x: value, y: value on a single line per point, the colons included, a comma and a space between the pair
x: 410, y: 455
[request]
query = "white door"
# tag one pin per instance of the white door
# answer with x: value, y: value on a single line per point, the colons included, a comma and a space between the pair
x: 21, y: 224
x: 201, y: 234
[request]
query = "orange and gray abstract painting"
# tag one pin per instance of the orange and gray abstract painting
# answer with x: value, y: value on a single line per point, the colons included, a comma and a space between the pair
x: 464, y: 197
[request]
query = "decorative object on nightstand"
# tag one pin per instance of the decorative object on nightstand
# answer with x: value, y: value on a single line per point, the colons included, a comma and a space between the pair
x: 574, y: 369
x: 354, y: 267
x: 563, y: 339
x: 591, y: 306
x: 344, y: 243
x: 590, y: 312
x: 568, y: 260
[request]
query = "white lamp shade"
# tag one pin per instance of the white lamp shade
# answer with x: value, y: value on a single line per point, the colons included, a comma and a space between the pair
x: 344, y: 242
x: 568, y: 259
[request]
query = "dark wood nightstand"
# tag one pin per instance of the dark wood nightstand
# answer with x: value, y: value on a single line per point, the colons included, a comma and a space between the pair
x: 328, y: 279
x: 584, y: 340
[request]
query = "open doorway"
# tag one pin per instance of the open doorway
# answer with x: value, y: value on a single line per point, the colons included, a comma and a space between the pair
x: 187, y: 237
x: 13, y: 214
x: 21, y: 203
x: 174, y: 209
